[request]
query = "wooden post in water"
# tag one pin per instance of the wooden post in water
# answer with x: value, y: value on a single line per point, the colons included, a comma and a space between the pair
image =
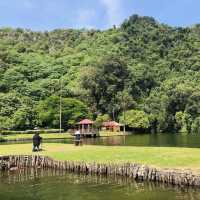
x: 131, y: 170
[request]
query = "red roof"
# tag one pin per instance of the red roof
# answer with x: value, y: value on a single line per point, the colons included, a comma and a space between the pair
x: 85, y: 122
x: 111, y: 124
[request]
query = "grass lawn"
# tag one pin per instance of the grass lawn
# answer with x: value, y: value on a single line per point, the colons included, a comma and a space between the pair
x: 183, y: 158
x: 30, y: 136
x: 54, y: 135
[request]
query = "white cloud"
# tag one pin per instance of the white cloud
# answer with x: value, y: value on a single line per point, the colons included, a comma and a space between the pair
x: 113, y: 11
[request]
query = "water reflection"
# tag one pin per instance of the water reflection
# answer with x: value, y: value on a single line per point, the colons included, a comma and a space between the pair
x: 156, y: 140
x: 51, y: 185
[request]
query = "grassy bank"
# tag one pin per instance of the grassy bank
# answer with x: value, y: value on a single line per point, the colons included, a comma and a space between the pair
x: 153, y: 156
x: 17, y: 137
x: 30, y: 136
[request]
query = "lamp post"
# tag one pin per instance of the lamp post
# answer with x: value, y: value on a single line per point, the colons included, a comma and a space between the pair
x: 124, y: 116
x: 60, y: 106
x: 113, y: 112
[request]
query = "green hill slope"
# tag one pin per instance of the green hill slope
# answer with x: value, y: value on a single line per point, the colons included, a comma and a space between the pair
x: 142, y: 66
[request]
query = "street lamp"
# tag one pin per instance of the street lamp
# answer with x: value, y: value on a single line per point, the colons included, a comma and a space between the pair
x: 60, y: 106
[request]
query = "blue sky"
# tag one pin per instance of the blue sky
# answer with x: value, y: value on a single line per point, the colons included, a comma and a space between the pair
x: 100, y: 14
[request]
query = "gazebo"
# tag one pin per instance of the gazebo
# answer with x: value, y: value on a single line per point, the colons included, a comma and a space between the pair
x: 86, y: 127
x: 112, y: 126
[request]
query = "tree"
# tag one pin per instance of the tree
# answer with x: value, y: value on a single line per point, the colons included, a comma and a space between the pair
x: 124, y: 102
x: 142, y: 65
x: 181, y: 123
x: 72, y: 111
x: 16, y: 112
x: 110, y: 76
x: 24, y: 118
x: 136, y: 119
x: 196, y: 126
x: 100, y: 119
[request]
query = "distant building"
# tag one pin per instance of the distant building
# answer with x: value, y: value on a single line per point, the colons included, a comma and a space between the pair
x: 112, y: 126
x: 86, y: 128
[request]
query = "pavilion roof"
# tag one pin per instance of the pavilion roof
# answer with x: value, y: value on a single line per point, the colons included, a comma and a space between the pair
x: 111, y: 124
x: 86, y: 122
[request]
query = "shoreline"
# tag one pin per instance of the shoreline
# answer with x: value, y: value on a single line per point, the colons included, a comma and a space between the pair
x: 68, y: 136
x: 132, y: 170
x: 160, y: 157
x: 30, y: 139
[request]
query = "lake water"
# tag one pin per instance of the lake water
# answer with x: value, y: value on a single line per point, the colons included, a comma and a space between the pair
x: 157, y: 140
x: 51, y: 185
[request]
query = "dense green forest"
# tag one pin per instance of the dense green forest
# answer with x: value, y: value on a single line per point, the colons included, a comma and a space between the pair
x: 143, y: 72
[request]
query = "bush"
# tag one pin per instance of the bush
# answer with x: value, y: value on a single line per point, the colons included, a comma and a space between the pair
x: 2, y: 139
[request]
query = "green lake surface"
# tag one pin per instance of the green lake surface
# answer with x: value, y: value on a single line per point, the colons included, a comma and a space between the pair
x: 156, y: 140
x: 57, y: 185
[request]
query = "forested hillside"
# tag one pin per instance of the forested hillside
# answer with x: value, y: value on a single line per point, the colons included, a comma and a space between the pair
x: 147, y: 69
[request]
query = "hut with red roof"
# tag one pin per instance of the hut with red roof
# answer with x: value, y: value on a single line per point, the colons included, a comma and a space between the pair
x: 112, y: 126
x: 86, y: 127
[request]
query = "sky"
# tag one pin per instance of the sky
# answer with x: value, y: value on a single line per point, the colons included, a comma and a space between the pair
x: 41, y: 15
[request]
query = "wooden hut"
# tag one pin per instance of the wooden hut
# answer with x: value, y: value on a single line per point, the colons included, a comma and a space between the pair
x: 86, y: 128
x: 112, y: 126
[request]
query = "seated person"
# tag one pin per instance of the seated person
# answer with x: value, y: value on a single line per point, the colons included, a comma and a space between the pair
x: 36, y: 142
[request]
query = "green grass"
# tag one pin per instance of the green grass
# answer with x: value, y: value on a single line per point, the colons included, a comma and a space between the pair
x: 54, y: 135
x: 30, y: 136
x: 183, y: 158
